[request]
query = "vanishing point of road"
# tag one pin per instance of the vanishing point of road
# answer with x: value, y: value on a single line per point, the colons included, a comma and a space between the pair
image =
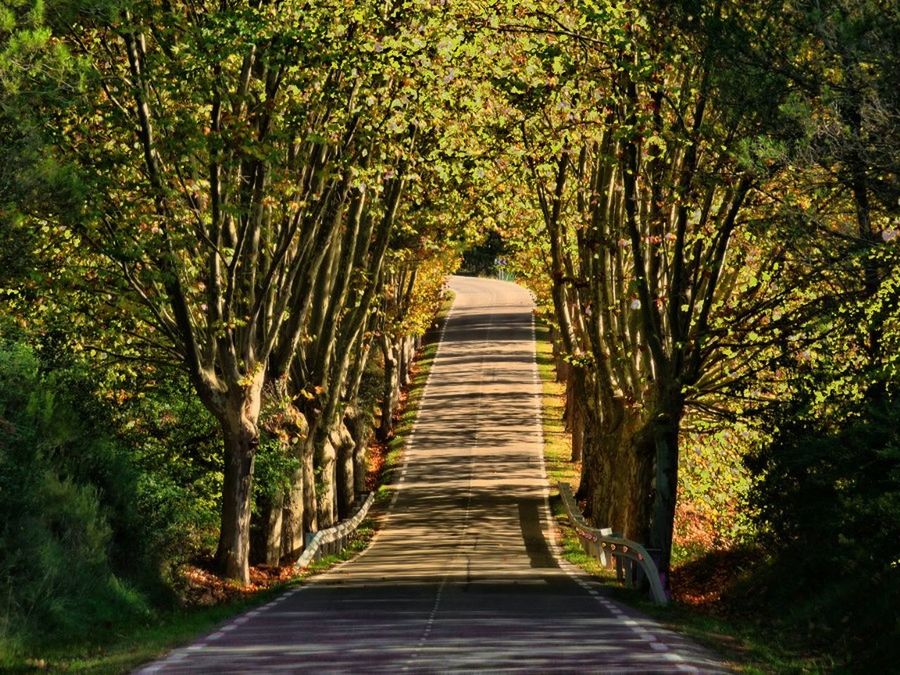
x: 464, y: 574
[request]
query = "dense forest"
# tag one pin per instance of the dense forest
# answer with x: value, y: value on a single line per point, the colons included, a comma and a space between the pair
x: 225, y: 228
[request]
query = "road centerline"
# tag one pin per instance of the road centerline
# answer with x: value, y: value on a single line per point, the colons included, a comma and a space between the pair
x: 465, y: 573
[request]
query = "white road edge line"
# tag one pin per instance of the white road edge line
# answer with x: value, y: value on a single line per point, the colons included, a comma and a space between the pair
x: 571, y: 571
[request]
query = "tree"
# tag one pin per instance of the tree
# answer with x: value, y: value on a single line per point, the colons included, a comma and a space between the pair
x: 239, y: 176
x: 224, y: 149
x: 646, y: 143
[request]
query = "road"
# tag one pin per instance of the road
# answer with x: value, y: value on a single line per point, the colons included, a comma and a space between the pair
x: 464, y: 575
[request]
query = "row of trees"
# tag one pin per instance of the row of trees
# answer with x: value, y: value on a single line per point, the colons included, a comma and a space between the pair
x: 715, y: 186
x: 265, y: 196
x: 255, y: 194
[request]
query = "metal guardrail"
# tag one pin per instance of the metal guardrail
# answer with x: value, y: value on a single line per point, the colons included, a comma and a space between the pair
x: 331, y: 540
x: 611, y: 549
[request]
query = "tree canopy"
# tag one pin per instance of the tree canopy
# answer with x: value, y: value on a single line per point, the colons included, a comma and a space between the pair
x: 228, y: 225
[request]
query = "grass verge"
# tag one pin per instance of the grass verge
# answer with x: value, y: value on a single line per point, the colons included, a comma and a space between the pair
x: 746, y: 645
x: 136, y: 644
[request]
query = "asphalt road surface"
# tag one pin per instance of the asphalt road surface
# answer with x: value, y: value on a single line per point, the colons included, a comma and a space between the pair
x: 464, y: 574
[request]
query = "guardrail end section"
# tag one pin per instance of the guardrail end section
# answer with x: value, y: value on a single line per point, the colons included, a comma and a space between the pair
x: 313, y: 541
x: 604, y: 536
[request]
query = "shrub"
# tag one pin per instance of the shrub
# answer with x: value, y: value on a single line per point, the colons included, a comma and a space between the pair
x: 56, y: 537
x: 96, y: 513
x: 829, y: 508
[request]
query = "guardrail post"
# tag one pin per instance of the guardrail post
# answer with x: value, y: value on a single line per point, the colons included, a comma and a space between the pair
x: 640, y: 573
x: 633, y: 563
x: 603, y: 555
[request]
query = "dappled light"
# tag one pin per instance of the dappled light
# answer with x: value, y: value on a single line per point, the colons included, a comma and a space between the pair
x: 231, y: 235
x: 463, y: 574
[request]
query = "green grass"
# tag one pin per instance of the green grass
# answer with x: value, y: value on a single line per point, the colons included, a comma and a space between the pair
x: 137, y: 644
x: 746, y: 645
x: 557, y: 443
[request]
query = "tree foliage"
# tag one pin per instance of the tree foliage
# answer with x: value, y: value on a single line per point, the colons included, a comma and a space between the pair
x: 222, y: 223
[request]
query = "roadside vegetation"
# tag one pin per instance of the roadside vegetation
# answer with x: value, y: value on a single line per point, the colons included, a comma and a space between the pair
x: 762, y: 609
x: 708, y: 218
x: 143, y: 617
x: 225, y: 229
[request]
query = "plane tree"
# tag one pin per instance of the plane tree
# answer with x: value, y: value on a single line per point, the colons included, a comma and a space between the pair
x: 646, y: 145
x: 240, y: 163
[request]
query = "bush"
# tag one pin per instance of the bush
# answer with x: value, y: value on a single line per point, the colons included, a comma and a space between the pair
x: 835, y: 492
x: 96, y: 514
x: 56, y: 537
x: 175, y: 448
x: 829, y: 508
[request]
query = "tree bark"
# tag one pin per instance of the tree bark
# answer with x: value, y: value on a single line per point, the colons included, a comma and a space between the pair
x: 562, y: 368
x: 274, y: 521
x: 360, y: 431
x: 389, y: 390
x: 310, y: 505
x: 590, y: 472
x: 617, y: 470
x: 346, y: 492
x: 241, y: 437
x: 408, y: 359
x: 577, y: 432
x: 360, y: 466
x: 665, y: 432
x: 292, y: 527
x: 292, y: 518
x: 325, y: 485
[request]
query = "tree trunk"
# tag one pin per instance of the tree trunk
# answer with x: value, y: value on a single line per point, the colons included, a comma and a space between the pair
x: 344, y: 469
x: 576, y: 399
x: 590, y: 467
x: 360, y: 460
x: 666, y: 449
x: 617, y: 469
x: 402, y: 365
x: 410, y: 355
x: 241, y: 437
x: 265, y: 518
x: 279, y: 522
x: 591, y: 448
x: 359, y: 423
x: 389, y: 391
x: 577, y: 432
x: 274, y: 520
x: 292, y: 518
x: 325, y: 485
x: 293, y: 524
x: 360, y: 430
x: 395, y: 394
x: 562, y: 368
x: 310, y: 507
